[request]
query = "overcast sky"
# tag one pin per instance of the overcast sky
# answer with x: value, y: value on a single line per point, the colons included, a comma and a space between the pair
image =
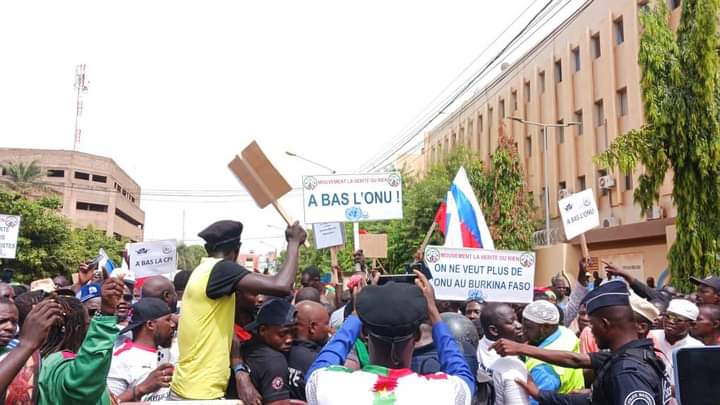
x: 177, y: 88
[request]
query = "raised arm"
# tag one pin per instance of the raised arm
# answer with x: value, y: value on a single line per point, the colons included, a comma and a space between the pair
x: 281, y: 283
x: 34, y: 333
x: 560, y: 358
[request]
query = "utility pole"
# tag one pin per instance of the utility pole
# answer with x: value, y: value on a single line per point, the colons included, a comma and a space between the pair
x: 81, y: 88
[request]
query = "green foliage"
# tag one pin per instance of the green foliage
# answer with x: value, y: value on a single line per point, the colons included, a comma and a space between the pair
x: 681, y: 101
x: 189, y: 256
x: 22, y: 177
x: 501, y: 194
x: 47, y: 246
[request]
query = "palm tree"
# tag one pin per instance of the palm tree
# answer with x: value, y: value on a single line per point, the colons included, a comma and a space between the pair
x: 23, y: 178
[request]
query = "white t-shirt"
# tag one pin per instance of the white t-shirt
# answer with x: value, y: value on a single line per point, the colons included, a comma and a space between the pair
x: 131, y: 365
x: 338, y: 385
x: 658, y: 335
x: 504, y: 371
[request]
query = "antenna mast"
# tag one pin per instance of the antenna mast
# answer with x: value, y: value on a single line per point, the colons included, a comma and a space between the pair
x: 81, y: 87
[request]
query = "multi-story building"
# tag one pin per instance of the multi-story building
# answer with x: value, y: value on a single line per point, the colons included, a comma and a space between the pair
x: 585, y: 71
x: 94, y: 189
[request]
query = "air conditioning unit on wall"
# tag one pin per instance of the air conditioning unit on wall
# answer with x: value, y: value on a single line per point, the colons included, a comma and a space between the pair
x: 610, y: 222
x: 606, y: 182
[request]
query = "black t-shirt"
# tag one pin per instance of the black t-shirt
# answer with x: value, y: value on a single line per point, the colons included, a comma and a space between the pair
x: 223, y: 278
x: 301, y: 357
x: 268, y: 370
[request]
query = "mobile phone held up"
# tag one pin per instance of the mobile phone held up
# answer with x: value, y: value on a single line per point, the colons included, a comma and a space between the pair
x: 397, y: 278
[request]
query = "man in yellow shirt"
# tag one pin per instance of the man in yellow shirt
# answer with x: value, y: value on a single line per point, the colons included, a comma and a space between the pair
x: 208, y: 310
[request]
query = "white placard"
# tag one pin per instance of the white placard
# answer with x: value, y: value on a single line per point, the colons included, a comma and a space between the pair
x: 579, y: 213
x: 352, y: 197
x: 9, y: 230
x: 152, y: 258
x: 493, y: 275
x: 328, y: 235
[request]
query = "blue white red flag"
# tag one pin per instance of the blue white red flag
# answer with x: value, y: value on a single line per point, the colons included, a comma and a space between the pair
x: 460, y: 218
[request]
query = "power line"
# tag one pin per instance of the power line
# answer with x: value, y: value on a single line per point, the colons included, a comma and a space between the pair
x: 423, y: 114
x: 535, y: 21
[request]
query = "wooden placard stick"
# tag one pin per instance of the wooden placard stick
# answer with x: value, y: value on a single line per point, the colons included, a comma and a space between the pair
x: 428, y: 235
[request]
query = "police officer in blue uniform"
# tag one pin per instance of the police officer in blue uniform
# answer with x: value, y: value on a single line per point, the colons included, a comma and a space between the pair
x: 630, y: 373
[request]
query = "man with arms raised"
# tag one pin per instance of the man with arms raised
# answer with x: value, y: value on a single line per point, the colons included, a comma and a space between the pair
x: 205, y: 331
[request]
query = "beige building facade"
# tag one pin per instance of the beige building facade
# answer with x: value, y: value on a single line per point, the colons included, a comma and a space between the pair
x: 585, y: 71
x: 94, y: 189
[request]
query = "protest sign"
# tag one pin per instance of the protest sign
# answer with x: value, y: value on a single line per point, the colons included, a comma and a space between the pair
x: 352, y: 197
x: 579, y: 213
x: 328, y: 235
x: 9, y: 230
x: 45, y: 284
x: 152, y: 258
x: 374, y: 246
x: 492, y: 275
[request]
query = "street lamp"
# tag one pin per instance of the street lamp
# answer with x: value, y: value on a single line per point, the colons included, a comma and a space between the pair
x: 310, y: 161
x: 544, y: 128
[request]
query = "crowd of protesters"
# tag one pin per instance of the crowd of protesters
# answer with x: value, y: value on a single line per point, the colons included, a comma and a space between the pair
x: 221, y: 331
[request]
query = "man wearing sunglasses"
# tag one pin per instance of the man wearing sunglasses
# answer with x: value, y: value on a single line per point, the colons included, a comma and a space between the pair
x: 680, y: 317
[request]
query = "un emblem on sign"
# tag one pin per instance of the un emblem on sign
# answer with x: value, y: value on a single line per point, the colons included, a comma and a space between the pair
x: 309, y: 183
x: 393, y: 180
x: 527, y: 259
x: 432, y: 255
x: 354, y: 214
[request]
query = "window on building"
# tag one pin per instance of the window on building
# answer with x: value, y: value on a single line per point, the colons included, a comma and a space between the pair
x: 82, y: 176
x: 99, y: 179
x: 619, y: 31
x: 480, y: 124
x: 128, y: 218
x: 86, y: 206
x: 3, y: 171
x: 489, y: 120
x: 581, y: 183
x: 599, y: 113
x: 558, y: 71
x: 531, y: 196
x: 578, y: 117
x: 526, y: 90
x: 528, y: 146
x: 541, y: 82
x: 513, y: 98
x: 562, y: 186
x: 628, y: 181
x: 56, y: 173
x: 576, y: 58
x: 622, y: 102
x: 501, y: 108
x: 673, y: 4
x: 560, y: 132
x: 595, y: 45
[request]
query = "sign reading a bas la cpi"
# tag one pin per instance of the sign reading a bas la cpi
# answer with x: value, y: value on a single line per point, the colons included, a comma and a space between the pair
x: 9, y: 230
x: 579, y: 213
x: 352, y: 197
x: 492, y: 275
x: 152, y: 258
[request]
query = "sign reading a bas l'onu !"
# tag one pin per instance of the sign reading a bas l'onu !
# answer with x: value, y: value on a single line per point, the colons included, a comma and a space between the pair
x: 352, y: 197
x: 491, y: 275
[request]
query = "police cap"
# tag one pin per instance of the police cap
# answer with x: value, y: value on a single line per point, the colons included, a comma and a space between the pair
x: 610, y: 294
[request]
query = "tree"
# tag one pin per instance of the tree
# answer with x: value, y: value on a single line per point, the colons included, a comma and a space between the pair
x: 189, y: 256
x: 23, y: 178
x: 47, y: 245
x: 681, y: 102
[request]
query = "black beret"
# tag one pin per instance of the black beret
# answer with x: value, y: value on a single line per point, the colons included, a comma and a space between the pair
x: 222, y: 232
x: 612, y: 293
x: 392, y: 310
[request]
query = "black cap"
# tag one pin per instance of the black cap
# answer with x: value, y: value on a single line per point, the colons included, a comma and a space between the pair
x: 610, y: 294
x: 222, y: 232
x: 712, y: 282
x: 392, y: 310
x: 147, y: 309
x: 276, y: 312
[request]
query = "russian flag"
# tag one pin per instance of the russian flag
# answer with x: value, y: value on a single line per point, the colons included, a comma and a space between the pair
x: 460, y: 218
